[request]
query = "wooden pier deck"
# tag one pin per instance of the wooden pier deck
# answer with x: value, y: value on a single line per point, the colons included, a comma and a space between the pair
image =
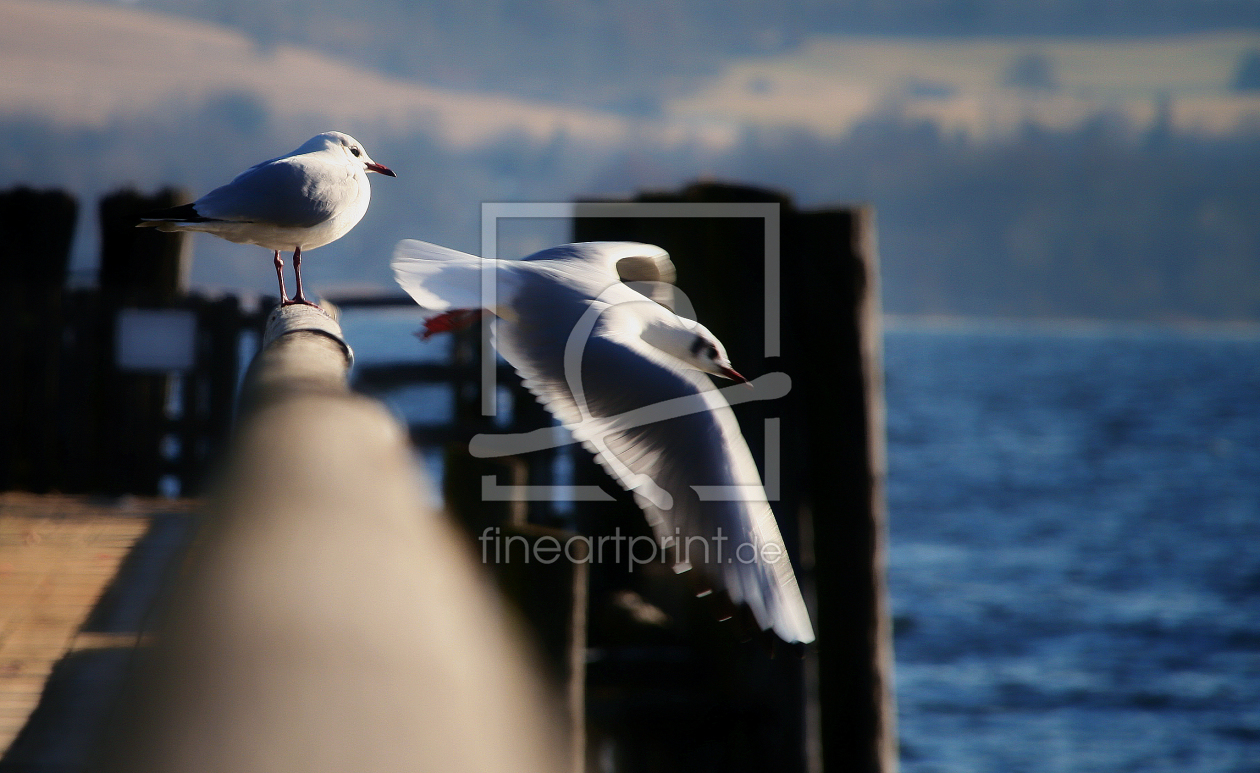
x: 58, y: 556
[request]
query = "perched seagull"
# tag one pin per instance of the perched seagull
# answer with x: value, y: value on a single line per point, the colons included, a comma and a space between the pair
x: 301, y: 200
x: 627, y: 377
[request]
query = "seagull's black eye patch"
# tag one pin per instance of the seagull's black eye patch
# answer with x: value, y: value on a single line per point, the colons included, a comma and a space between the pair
x: 701, y: 345
x: 355, y: 151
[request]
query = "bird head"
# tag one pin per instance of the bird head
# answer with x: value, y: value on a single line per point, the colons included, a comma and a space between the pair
x: 353, y: 150
x: 707, y: 354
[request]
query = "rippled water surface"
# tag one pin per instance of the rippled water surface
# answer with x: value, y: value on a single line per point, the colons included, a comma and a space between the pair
x: 1075, y: 563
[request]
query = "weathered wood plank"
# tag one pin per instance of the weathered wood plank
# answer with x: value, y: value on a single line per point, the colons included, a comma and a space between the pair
x: 57, y: 556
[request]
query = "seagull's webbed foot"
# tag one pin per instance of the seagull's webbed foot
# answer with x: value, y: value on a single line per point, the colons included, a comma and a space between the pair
x: 448, y: 322
x: 296, y: 301
x: 299, y: 298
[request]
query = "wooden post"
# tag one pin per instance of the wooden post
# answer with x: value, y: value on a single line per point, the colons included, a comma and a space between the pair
x: 142, y: 266
x: 328, y: 620
x: 831, y: 281
x: 81, y: 389
x: 38, y: 227
x: 209, y: 389
x: 832, y: 461
x: 139, y: 268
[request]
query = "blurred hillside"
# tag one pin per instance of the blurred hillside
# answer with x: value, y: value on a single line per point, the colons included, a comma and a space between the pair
x: 1047, y: 176
x: 628, y: 54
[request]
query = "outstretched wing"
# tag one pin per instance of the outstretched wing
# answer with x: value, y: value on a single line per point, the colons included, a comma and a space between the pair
x: 666, y: 434
x: 646, y: 268
x: 632, y: 261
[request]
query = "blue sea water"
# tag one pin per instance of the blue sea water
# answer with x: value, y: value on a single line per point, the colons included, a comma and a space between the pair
x: 1075, y: 549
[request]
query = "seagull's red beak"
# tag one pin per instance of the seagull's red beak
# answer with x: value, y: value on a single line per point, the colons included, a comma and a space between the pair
x: 381, y: 169
x: 733, y: 375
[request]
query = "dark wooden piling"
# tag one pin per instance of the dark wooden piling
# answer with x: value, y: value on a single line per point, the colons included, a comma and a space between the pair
x: 831, y: 463
x: 329, y: 621
x: 834, y: 336
x: 139, y: 268
x: 38, y: 228
x: 208, y: 390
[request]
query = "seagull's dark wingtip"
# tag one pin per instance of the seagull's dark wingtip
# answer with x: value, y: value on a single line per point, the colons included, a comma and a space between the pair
x: 186, y: 213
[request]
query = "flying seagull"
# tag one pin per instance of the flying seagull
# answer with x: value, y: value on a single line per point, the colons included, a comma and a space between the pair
x: 296, y: 202
x: 628, y: 378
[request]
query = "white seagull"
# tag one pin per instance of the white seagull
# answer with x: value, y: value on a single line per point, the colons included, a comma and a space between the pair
x: 627, y: 377
x: 296, y: 202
